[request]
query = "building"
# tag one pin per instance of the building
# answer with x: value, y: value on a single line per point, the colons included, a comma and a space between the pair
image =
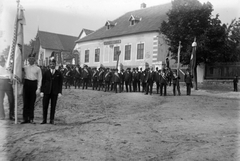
x: 135, y: 35
x: 61, y: 45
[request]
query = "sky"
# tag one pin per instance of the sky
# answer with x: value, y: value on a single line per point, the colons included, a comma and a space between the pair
x: 69, y: 17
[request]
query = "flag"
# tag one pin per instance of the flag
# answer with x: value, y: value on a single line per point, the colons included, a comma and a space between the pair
x: 10, y: 58
x: 193, y: 56
x: 18, y: 61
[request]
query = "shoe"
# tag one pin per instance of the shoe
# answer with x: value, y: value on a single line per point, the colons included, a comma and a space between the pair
x: 32, y: 122
x: 52, y: 122
x: 25, y: 122
x: 44, y: 122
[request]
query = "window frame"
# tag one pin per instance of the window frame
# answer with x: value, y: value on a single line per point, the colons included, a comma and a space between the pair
x: 137, y: 53
x: 86, y: 53
x: 95, y: 56
x: 125, y: 52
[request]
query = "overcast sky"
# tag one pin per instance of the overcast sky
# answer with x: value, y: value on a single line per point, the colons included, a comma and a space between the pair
x: 69, y: 17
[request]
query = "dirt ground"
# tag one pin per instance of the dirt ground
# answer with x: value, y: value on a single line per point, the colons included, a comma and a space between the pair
x: 104, y: 126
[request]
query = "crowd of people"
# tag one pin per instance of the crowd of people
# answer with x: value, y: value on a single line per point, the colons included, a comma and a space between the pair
x: 49, y: 81
x: 135, y: 80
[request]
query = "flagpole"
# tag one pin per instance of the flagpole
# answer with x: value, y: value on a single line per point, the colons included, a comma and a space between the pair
x: 178, y: 65
x: 15, y: 81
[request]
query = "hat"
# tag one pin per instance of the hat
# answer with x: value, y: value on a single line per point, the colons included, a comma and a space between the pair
x: 52, y: 60
x: 32, y: 55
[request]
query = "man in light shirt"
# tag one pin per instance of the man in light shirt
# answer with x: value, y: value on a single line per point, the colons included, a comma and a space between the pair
x: 6, y: 88
x: 31, y: 87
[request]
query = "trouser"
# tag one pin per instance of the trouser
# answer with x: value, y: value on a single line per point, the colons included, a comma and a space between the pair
x: 107, y: 85
x: 46, y: 99
x: 29, y: 98
x: 163, y: 86
x: 128, y: 84
x: 85, y: 83
x: 157, y: 88
x: 149, y: 86
x: 143, y: 86
x: 100, y: 84
x: 68, y: 82
x: 77, y: 82
x: 188, y: 88
x: 235, y: 86
x: 134, y: 86
x: 174, y: 89
x: 94, y: 84
x: 138, y: 85
x: 115, y: 87
x: 9, y: 93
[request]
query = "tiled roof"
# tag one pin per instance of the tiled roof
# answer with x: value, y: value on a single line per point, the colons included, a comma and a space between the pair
x: 56, y: 41
x: 88, y: 31
x: 151, y: 19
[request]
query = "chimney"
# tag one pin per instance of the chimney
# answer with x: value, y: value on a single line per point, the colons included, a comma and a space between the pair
x: 143, y: 5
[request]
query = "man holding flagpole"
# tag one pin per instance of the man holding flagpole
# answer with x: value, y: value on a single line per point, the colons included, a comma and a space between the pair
x: 14, y: 62
x: 6, y: 88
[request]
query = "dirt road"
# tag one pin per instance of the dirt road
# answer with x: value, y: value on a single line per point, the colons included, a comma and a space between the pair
x: 104, y: 126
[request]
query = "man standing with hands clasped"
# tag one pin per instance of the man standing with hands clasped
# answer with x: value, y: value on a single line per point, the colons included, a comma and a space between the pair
x: 51, y: 90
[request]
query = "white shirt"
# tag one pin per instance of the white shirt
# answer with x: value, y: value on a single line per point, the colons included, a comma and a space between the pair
x: 33, y: 72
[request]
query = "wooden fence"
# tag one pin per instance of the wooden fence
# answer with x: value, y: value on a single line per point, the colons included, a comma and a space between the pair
x: 222, y: 70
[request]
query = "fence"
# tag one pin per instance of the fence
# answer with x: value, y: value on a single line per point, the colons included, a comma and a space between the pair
x: 222, y: 70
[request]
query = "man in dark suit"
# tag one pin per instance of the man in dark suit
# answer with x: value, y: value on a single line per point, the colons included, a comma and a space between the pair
x: 149, y: 80
x: 85, y: 75
x: 127, y: 79
x: 188, y: 80
x: 51, y: 90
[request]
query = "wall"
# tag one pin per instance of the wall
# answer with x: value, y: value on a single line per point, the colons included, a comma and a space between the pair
x: 107, y: 50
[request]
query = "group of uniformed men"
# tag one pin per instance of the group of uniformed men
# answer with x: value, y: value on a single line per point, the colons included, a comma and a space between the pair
x: 137, y: 80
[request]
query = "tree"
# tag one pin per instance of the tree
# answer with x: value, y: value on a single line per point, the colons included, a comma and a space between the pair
x: 5, y: 52
x: 186, y: 20
x: 189, y: 19
x: 232, y: 46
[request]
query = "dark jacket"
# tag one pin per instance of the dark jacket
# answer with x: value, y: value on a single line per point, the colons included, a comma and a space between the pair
x: 188, y: 78
x: 52, y: 83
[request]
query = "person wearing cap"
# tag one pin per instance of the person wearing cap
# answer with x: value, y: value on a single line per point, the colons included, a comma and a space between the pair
x: 138, y: 79
x: 31, y: 87
x: 94, y: 78
x: 127, y: 79
x: 134, y: 79
x: 51, y: 90
x: 175, y: 83
x: 116, y: 80
x: 107, y: 79
x: 235, y: 83
x: 188, y: 80
x: 163, y: 83
x: 6, y: 88
x: 149, y: 78
x: 85, y: 76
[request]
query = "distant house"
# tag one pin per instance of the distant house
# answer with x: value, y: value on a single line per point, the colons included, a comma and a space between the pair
x: 135, y: 34
x: 61, y: 45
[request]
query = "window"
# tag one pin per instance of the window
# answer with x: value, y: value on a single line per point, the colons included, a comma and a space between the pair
x: 140, y: 49
x: 115, y: 57
x: 86, y: 56
x: 97, y: 55
x: 127, y: 52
